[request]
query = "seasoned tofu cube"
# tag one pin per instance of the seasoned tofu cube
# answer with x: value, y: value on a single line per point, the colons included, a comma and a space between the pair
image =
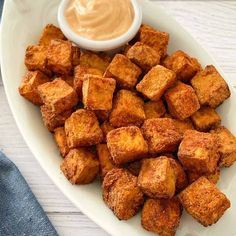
x: 98, y: 61
x: 205, y: 118
x: 227, y: 146
x: 79, y: 76
x: 80, y: 166
x: 183, y: 125
x: 121, y: 193
x: 127, y: 109
x: 126, y: 144
x: 124, y: 71
x: 75, y: 55
x: 204, y: 201
x: 183, y: 65
x: 198, y: 152
x: 104, y: 157
x: 161, y: 135
x: 53, y: 120
x: 161, y: 216
x: 98, y: 92
x: 29, y: 86
x: 157, y: 178
x: 59, y: 56
x: 182, y: 101
x: 82, y: 129
x: 36, y: 59
x: 135, y: 167
x: 156, y: 82
x: 102, y: 115
x: 60, y: 138
x: 210, y: 87
x: 58, y: 95
x: 154, y: 109
x: 143, y: 56
x: 50, y: 32
x: 156, y: 39
x: 106, y: 127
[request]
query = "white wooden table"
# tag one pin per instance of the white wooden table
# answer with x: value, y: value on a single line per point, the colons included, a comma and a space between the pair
x: 213, y: 23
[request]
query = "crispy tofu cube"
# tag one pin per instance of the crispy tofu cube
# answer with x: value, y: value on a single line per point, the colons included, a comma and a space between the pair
x: 135, y: 167
x: 29, y: 86
x: 157, y: 178
x: 98, y: 92
x: 104, y: 157
x: 102, y: 115
x: 204, y: 201
x: 124, y: 71
x: 121, y: 193
x: 36, y: 59
x: 183, y: 65
x: 182, y: 101
x: 183, y: 125
x: 60, y: 138
x: 227, y: 146
x: 53, y: 120
x: 75, y: 55
x: 79, y: 76
x: 154, y: 109
x: 161, y: 216
x: 143, y: 56
x: 98, y: 61
x: 205, y: 118
x: 59, y: 57
x: 127, y: 109
x: 58, y: 95
x: 210, y: 87
x: 126, y: 144
x: 80, y: 166
x: 50, y: 32
x: 198, y: 152
x: 156, y: 82
x: 161, y: 135
x: 156, y: 39
x: 106, y: 127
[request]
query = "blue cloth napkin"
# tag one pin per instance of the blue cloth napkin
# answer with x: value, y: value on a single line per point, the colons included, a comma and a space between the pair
x: 20, y: 212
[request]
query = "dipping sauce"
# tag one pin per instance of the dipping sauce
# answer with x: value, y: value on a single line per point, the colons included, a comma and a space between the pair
x: 100, y: 19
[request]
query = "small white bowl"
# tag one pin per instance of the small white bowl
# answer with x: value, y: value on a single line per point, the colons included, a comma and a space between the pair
x: 99, y: 45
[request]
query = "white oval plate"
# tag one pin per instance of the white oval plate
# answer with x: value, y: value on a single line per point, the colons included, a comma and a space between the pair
x: 22, y: 22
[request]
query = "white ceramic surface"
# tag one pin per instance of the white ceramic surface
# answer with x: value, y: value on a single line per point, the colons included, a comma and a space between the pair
x: 21, y: 25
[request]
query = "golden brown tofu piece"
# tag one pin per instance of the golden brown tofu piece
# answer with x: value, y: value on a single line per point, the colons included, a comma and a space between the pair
x: 157, y: 178
x: 205, y: 118
x: 104, y: 157
x: 60, y: 138
x: 102, y: 115
x: 106, y: 127
x: 68, y: 79
x: 182, y: 101
x: 36, y: 59
x: 98, y: 92
x: 183, y: 65
x: 156, y: 82
x: 161, y: 135
x: 156, y: 39
x: 58, y: 95
x: 154, y: 109
x: 123, y: 71
x: 53, y: 120
x: 204, y: 201
x: 121, y: 193
x: 126, y: 144
x: 135, y: 167
x: 82, y: 129
x: 98, y: 61
x: 50, y: 32
x: 29, y: 86
x: 75, y: 55
x: 210, y: 87
x: 79, y: 76
x: 183, y: 125
x: 80, y: 166
x: 198, y: 152
x: 143, y: 56
x: 227, y: 146
x: 127, y: 109
x: 59, y: 57
x: 161, y: 216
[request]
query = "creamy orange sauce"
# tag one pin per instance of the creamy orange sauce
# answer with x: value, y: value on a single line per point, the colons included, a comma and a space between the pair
x: 100, y: 19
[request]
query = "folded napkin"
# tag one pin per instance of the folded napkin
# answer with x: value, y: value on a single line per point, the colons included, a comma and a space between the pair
x: 20, y: 212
